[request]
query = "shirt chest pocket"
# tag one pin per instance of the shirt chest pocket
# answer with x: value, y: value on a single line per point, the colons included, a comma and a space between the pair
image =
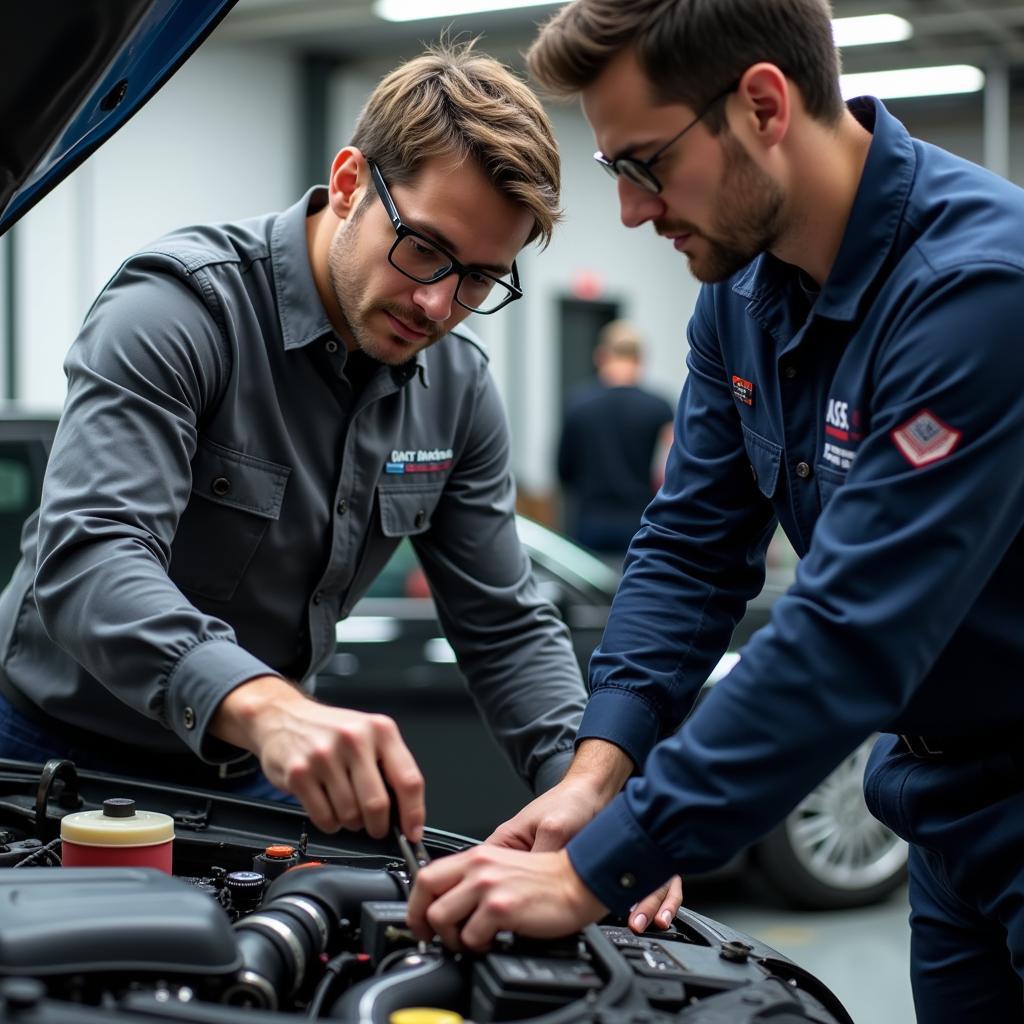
x: 765, y: 458
x: 234, y: 499
x: 405, y: 513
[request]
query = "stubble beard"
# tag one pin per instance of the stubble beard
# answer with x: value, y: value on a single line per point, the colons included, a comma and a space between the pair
x: 749, y: 225
x: 350, y: 289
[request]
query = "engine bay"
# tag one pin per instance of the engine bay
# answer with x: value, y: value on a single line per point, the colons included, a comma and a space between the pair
x: 264, y: 919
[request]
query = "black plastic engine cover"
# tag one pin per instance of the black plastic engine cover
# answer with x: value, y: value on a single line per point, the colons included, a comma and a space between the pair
x: 84, y: 920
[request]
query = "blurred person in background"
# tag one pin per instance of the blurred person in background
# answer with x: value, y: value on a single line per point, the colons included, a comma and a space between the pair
x: 611, y: 451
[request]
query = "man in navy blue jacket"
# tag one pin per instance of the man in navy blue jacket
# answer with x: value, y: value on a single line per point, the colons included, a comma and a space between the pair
x: 855, y: 374
x: 614, y: 437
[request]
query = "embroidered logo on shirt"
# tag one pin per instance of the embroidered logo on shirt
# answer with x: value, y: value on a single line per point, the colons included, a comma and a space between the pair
x: 841, y: 425
x: 743, y: 390
x: 419, y: 460
x: 836, y: 455
x: 837, y: 419
x: 924, y: 439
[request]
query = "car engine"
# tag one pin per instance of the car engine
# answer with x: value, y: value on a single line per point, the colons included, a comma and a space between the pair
x: 264, y: 919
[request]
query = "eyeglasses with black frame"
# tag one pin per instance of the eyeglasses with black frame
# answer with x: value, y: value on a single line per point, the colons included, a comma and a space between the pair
x: 640, y: 172
x: 424, y: 261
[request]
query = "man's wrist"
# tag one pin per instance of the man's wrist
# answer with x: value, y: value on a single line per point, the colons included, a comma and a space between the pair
x: 585, y: 905
x: 236, y: 718
x: 602, y: 765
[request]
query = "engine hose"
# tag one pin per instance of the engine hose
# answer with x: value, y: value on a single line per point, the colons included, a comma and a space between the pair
x: 277, y: 944
x: 418, y: 980
x: 298, y: 918
x: 339, y: 889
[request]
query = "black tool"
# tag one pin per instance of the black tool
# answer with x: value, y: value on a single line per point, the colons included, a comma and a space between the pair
x: 414, y: 854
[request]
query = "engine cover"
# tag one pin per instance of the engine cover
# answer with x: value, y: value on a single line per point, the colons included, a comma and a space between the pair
x: 86, y: 920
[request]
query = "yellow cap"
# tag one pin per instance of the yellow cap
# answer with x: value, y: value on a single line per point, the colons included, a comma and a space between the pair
x: 100, y: 828
x: 424, y: 1015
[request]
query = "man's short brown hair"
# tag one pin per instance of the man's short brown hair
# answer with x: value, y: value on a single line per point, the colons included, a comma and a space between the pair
x: 453, y: 101
x: 693, y: 50
x: 619, y: 339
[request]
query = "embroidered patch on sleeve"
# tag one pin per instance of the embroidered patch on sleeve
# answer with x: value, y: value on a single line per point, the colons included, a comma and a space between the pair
x: 924, y: 439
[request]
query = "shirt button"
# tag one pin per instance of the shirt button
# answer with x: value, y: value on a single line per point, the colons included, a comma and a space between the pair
x: 803, y: 470
x: 342, y: 507
x: 318, y: 597
x: 332, y: 347
x: 789, y: 372
x: 221, y: 486
x: 421, y: 517
x: 188, y: 718
x: 628, y: 880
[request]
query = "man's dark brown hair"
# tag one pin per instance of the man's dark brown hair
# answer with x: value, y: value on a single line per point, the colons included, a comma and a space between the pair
x: 693, y: 50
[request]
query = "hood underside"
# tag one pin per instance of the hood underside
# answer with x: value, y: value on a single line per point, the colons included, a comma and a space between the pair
x: 74, y: 72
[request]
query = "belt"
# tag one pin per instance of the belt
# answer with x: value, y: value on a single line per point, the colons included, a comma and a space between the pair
x: 934, y: 748
x: 180, y: 768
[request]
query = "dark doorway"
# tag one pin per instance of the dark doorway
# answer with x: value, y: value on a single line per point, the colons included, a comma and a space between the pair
x: 579, y: 323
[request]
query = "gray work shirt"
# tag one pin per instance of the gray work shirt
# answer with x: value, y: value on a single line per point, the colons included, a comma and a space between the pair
x: 213, y: 506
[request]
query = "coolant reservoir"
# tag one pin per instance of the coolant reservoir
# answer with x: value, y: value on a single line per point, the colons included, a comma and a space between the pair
x: 117, y: 836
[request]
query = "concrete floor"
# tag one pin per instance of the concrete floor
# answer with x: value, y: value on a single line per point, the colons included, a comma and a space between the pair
x: 862, y: 955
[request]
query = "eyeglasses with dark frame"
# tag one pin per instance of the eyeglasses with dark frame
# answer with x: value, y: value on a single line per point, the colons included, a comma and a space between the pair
x: 640, y: 172
x: 424, y: 261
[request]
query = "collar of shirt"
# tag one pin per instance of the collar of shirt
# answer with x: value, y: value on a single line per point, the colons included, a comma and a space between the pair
x: 874, y: 223
x: 300, y: 312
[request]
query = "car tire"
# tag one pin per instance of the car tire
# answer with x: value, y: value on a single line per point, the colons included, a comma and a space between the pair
x: 830, y: 852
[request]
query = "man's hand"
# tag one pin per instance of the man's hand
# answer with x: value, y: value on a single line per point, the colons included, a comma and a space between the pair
x: 467, y: 897
x: 660, y: 907
x: 334, y: 760
x: 596, y: 774
x: 551, y: 820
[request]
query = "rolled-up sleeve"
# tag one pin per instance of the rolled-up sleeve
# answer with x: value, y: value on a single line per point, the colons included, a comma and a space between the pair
x: 149, y: 359
x: 510, y: 643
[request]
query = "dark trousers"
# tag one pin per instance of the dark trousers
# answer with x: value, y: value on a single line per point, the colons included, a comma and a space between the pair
x: 964, y: 819
x: 25, y: 740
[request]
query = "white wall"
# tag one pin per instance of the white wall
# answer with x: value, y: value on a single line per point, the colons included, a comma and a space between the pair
x: 218, y: 142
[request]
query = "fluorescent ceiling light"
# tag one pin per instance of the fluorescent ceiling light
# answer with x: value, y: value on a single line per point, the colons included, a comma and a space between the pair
x: 872, y: 28
x: 861, y: 31
x: 940, y: 81
x: 417, y: 10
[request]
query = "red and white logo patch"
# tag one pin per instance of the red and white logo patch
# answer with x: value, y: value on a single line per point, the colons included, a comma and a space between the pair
x: 924, y: 439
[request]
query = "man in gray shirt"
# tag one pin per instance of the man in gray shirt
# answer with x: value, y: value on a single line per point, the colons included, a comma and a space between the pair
x: 257, y: 414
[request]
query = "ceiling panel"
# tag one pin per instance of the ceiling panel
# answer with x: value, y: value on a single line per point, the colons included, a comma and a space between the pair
x: 983, y: 32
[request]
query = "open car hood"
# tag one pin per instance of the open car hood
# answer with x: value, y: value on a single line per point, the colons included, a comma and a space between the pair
x: 75, y: 72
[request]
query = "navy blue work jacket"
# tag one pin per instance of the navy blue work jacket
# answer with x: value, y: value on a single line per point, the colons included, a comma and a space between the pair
x: 881, y: 422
